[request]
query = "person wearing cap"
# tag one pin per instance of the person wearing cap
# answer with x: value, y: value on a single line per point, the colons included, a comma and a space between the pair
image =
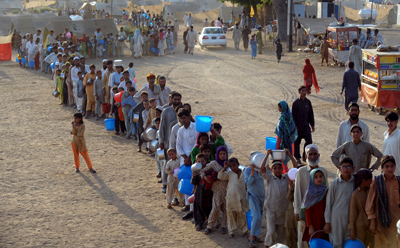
x: 391, y: 138
x: 104, y: 67
x: 116, y: 77
x: 343, y: 135
x: 151, y: 88
x: 88, y: 82
x: 359, y: 151
x: 301, y: 186
x: 99, y: 47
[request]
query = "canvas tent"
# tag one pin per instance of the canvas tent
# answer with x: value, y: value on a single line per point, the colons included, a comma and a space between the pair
x: 11, y: 4
x: 225, y: 12
x: 316, y: 26
x: 87, y: 27
x: 116, y: 11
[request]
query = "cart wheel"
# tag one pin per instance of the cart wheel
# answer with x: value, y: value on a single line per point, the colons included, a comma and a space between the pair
x: 379, y: 111
x: 370, y: 107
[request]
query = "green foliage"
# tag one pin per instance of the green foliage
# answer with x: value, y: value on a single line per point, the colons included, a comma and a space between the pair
x: 43, y: 10
x: 15, y: 11
x: 245, y: 2
x: 36, y: 11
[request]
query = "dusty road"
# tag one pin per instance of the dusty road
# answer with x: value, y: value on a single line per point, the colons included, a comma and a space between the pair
x: 44, y: 203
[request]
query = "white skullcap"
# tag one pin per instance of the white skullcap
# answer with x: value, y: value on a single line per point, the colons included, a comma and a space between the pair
x: 398, y: 227
x: 57, y: 63
x: 76, y: 58
x: 310, y: 147
x: 104, y: 60
x: 279, y: 246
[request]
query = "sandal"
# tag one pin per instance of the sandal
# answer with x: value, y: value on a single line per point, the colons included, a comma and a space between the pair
x: 207, y: 230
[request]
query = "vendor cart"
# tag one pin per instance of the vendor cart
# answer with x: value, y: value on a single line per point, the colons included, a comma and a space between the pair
x: 380, y: 85
x: 340, y: 41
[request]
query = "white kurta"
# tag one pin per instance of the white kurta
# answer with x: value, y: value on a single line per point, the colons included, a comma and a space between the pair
x: 355, y: 55
x: 191, y: 38
x: 344, y: 132
x: 186, y: 139
x: 391, y: 146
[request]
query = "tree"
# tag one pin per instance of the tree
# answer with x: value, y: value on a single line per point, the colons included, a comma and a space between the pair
x: 280, y: 9
x: 247, y: 3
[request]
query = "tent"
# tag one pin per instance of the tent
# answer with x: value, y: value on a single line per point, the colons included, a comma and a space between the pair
x: 116, y: 11
x: 11, y: 4
x: 316, y: 26
x: 225, y: 12
x: 87, y: 27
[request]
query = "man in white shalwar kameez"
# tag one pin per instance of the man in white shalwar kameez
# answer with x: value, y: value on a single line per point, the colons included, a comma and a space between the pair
x: 191, y: 38
x: 185, y: 19
x: 236, y: 35
x: 138, y: 43
x: 355, y: 55
x: 30, y: 48
x: 189, y: 20
x: 391, y: 139
x: 161, y: 42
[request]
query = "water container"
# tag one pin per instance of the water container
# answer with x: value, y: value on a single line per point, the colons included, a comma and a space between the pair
x: 320, y: 243
x: 17, y: 60
x: 101, y: 41
x: 248, y: 218
x: 353, y: 244
x: 31, y: 64
x: 270, y: 143
x: 23, y: 61
x: 185, y: 172
x: 53, y: 65
x: 185, y: 187
x: 110, y: 124
x: 49, y: 48
x: 106, y: 107
x: 203, y: 123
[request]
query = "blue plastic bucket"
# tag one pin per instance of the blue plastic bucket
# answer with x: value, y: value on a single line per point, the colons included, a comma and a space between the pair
x: 101, y: 41
x: 320, y: 243
x: 185, y: 172
x: 110, y: 124
x: 353, y: 244
x: 248, y: 218
x: 31, y: 64
x: 23, y: 61
x: 49, y: 48
x: 270, y: 143
x: 53, y: 65
x: 185, y: 187
x: 203, y: 123
x: 17, y: 60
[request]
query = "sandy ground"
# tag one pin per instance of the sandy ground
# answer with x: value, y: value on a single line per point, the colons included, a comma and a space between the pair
x: 44, y: 203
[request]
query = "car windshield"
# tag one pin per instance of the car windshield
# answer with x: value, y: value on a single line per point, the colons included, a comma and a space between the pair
x: 213, y: 31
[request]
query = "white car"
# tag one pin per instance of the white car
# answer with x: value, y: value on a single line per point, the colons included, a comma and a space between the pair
x: 212, y: 36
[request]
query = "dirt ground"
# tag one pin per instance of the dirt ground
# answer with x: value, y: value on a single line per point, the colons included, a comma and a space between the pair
x: 44, y: 203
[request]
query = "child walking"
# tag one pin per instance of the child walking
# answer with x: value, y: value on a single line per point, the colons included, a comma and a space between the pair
x: 172, y: 181
x: 236, y: 203
x: 313, y: 206
x: 338, y: 204
x: 382, y: 205
x: 78, y: 143
x: 358, y: 219
x: 253, y: 44
x: 278, y: 49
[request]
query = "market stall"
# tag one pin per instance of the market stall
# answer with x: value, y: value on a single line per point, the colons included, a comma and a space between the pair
x: 340, y: 41
x: 380, y: 85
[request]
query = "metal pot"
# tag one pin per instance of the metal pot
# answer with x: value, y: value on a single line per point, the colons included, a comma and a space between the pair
x: 278, y: 155
x: 144, y: 138
x: 158, y: 134
x: 196, y: 167
x: 160, y: 154
x: 56, y: 93
x: 256, y: 160
x: 135, y: 118
x: 150, y: 133
x: 153, y: 145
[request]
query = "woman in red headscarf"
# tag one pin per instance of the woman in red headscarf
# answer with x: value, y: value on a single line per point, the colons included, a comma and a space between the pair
x: 309, y: 77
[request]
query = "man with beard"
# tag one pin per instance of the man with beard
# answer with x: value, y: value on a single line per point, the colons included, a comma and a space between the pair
x: 168, y: 119
x: 301, y: 186
x: 344, y: 128
x: 164, y: 92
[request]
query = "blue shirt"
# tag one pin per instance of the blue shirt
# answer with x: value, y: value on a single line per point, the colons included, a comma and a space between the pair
x: 255, y: 184
x: 351, y: 83
x: 116, y: 79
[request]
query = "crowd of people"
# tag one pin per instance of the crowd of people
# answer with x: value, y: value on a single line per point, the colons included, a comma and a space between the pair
x: 355, y: 204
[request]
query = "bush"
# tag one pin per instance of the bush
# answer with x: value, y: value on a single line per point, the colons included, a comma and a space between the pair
x: 43, y: 10
x: 36, y: 11
x: 15, y: 11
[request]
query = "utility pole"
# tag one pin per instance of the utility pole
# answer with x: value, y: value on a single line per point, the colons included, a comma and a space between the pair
x: 290, y: 26
x: 111, y: 9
